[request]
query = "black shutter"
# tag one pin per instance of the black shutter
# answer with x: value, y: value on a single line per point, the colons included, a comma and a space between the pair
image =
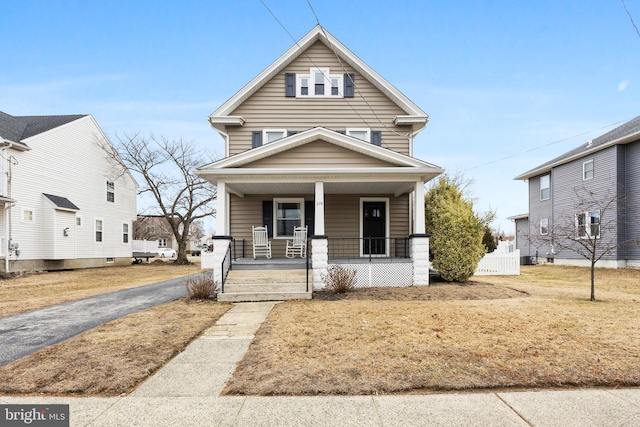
x: 310, y: 216
x: 291, y: 132
x: 267, y: 216
x: 256, y: 138
x: 349, y: 85
x: 344, y: 132
x: 376, y: 137
x: 290, y: 84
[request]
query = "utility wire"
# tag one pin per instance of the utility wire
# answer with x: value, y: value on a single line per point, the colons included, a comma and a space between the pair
x: 630, y: 17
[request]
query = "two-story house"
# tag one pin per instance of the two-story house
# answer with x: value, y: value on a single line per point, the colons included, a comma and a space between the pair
x: 62, y: 205
x: 319, y: 139
x: 567, y: 195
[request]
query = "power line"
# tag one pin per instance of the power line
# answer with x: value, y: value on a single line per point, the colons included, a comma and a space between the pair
x: 630, y: 17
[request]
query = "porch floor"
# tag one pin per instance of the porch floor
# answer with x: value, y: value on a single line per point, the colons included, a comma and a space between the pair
x: 262, y: 263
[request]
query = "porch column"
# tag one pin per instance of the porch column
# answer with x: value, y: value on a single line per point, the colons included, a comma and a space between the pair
x: 221, y: 239
x: 221, y: 210
x: 319, y: 209
x: 418, y: 226
x: 420, y: 258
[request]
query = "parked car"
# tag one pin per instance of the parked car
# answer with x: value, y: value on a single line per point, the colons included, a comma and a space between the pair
x: 165, y: 253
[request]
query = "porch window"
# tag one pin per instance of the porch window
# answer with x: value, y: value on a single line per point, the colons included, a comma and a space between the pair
x: 288, y: 214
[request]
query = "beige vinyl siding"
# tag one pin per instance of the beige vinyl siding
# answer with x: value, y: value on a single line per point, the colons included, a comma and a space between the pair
x: 342, y: 217
x: 268, y: 108
x: 318, y: 154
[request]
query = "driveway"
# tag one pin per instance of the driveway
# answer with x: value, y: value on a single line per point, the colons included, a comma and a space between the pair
x: 24, y: 333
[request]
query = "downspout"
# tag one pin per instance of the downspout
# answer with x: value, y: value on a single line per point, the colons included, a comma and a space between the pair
x: 7, y: 206
x: 225, y: 136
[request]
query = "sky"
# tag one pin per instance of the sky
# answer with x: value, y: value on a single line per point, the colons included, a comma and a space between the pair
x: 507, y: 84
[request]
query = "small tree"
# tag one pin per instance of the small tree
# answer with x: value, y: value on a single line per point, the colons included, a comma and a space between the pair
x: 591, y: 228
x: 166, y: 168
x: 456, y: 231
x: 489, y: 240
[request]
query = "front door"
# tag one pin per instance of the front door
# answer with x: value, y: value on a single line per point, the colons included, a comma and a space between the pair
x: 374, y: 225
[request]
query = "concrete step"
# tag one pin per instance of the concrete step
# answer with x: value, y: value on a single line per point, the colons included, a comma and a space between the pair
x: 262, y: 296
x: 266, y: 285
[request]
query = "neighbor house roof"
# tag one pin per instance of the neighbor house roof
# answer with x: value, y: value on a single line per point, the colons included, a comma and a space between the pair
x: 61, y: 202
x: 16, y: 129
x: 414, y: 114
x: 628, y: 132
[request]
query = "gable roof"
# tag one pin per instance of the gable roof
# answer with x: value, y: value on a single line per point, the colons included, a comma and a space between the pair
x: 16, y: 129
x: 318, y: 33
x: 61, y: 202
x: 628, y: 132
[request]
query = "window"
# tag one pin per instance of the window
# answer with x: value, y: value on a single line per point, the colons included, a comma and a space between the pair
x: 270, y: 135
x: 587, y: 170
x: 78, y: 221
x: 324, y: 83
x: 587, y: 225
x: 544, y: 187
x: 111, y: 191
x: 162, y: 243
x: 360, y: 133
x: 288, y: 214
x: 544, y: 226
x: 98, y: 230
x: 125, y: 232
x: 27, y: 215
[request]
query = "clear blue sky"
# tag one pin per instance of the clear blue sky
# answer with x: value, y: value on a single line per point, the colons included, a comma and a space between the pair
x: 497, y: 78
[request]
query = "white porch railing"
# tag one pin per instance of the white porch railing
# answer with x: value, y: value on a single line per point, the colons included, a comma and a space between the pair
x: 504, y: 261
x: 144, y: 245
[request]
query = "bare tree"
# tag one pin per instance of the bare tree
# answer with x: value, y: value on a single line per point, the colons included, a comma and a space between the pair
x: 166, y: 168
x: 591, y: 229
x: 197, y: 229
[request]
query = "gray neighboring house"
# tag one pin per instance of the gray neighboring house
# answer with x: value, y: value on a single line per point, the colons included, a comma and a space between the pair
x: 611, y: 161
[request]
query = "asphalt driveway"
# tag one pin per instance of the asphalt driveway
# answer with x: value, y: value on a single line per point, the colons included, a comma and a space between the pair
x: 24, y: 333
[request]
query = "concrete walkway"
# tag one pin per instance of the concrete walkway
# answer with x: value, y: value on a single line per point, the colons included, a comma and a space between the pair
x: 186, y: 393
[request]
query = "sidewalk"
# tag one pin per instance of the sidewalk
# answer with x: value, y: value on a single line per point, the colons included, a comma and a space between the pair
x: 186, y: 393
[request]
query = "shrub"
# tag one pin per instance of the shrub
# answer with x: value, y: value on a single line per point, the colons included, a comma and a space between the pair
x: 340, y: 279
x: 201, y: 287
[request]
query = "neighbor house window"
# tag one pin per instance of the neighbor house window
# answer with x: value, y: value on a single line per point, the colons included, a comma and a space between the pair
x: 27, y: 215
x: 162, y: 243
x: 125, y: 232
x: 78, y: 221
x: 360, y: 133
x: 111, y: 191
x: 545, y: 191
x: 288, y: 214
x: 270, y: 135
x: 319, y: 83
x: 98, y: 230
x: 587, y: 225
x: 544, y: 226
x: 587, y: 170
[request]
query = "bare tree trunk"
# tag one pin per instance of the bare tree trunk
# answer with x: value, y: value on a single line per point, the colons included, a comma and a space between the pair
x: 593, y: 280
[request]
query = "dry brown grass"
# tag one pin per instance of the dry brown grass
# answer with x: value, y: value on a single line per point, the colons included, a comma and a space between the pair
x: 115, y: 357
x: 43, y: 289
x: 555, y: 337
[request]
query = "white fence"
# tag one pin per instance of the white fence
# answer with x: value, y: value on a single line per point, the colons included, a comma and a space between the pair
x: 144, y: 245
x: 505, y: 260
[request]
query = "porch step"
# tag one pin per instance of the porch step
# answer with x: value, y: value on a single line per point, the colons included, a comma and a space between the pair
x: 265, y: 285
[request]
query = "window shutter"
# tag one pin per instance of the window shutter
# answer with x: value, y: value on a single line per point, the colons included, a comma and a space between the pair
x: 376, y: 137
x: 267, y: 216
x: 349, y: 79
x: 310, y: 216
x: 290, y: 84
x: 256, y: 138
x: 291, y: 132
x: 344, y: 132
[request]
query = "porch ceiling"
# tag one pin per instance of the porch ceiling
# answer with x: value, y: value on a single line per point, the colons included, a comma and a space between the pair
x: 396, y: 188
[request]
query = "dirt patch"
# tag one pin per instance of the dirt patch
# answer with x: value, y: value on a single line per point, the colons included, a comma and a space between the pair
x: 113, y: 358
x: 435, y: 292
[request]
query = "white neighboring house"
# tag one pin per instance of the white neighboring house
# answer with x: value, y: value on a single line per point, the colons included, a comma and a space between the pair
x: 61, y: 205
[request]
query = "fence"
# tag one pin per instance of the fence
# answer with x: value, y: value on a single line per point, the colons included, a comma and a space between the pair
x: 505, y: 260
x: 144, y: 245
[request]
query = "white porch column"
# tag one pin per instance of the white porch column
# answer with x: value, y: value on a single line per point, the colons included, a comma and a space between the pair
x: 420, y: 258
x: 221, y: 210
x: 221, y: 240
x: 418, y: 226
x: 319, y: 209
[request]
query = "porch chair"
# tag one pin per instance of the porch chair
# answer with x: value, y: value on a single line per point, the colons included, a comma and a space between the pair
x: 261, y: 243
x: 297, y: 246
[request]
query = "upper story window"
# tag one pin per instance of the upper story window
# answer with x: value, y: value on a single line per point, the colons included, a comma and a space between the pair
x: 111, y: 191
x: 545, y: 190
x: 79, y: 221
x: 270, y: 135
x: 587, y: 170
x: 360, y: 133
x: 319, y: 83
x: 162, y: 243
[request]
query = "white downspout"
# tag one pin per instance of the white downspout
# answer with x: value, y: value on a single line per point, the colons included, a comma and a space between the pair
x: 7, y: 206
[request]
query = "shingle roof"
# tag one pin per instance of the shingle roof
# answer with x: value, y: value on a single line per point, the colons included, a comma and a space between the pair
x: 61, y: 202
x: 627, y: 129
x: 18, y: 128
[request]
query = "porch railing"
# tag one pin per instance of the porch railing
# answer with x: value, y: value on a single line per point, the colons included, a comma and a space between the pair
x: 369, y: 248
x: 226, y: 267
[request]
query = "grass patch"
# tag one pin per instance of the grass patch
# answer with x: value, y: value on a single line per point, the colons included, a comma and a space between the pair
x: 113, y: 358
x: 373, y: 344
x: 39, y: 290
